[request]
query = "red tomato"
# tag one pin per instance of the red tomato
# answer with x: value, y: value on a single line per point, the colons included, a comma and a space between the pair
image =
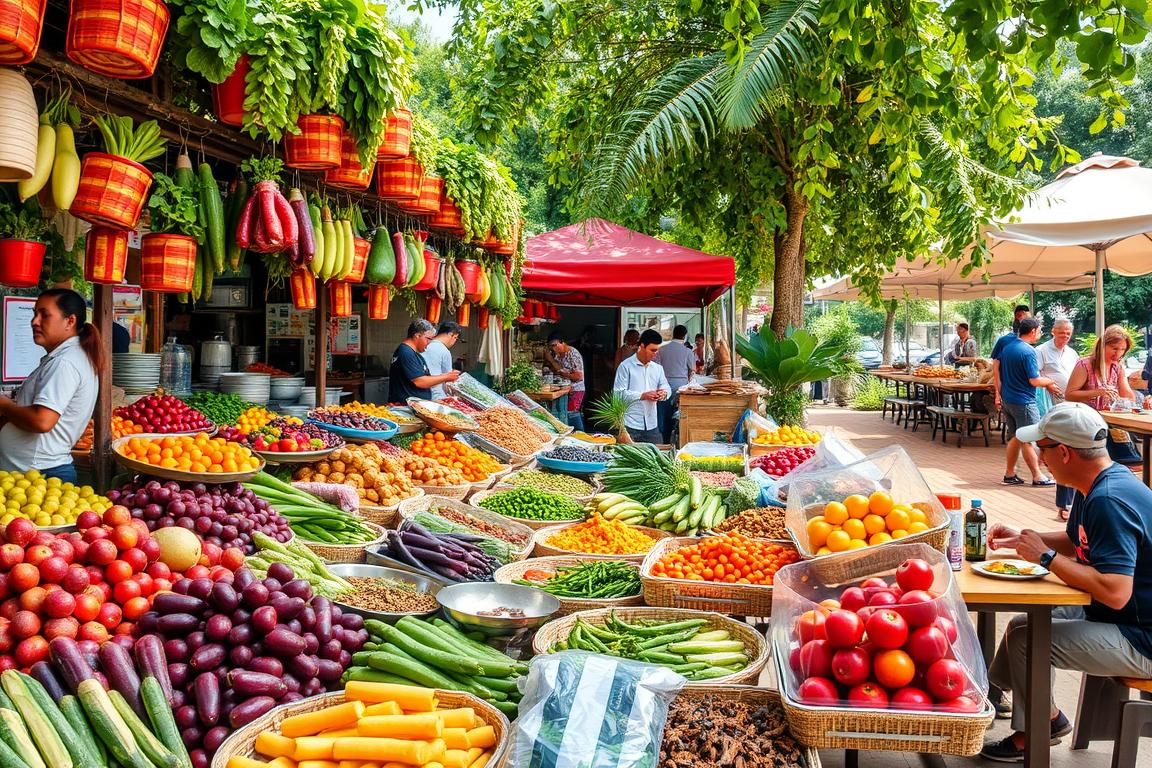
x: 136, y: 558
x: 843, y: 629
x: 117, y: 571
x: 887, y: 629
x: 125, y: 591
x: 914, y: 574
x: 135, y: 608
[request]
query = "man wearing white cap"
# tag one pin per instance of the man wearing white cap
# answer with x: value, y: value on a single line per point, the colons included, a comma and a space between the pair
x: 1106, y: 550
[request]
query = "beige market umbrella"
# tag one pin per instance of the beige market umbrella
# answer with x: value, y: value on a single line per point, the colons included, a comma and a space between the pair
x: 1095, y: 215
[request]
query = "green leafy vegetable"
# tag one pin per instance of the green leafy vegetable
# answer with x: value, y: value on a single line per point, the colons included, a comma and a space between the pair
x: 174, y: 209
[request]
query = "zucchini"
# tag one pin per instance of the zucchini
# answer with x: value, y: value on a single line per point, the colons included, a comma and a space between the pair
x: 109, y: 726
x: 47, y: 739
x: 9, y: 758
x: 15, y: 734
x: 213, y: 207
x: 163, y: 723
x: 82, y: 756
x: 75, y: 714
x: 209, y: 270
x: 152, y: 747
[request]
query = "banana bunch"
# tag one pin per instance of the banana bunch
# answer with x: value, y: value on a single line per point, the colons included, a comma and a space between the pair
x: 687, y: 511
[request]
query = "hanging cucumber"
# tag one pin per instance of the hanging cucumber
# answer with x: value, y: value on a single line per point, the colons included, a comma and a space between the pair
x: 381, y: 268
x: 213, y: 207
x: 209, y: 272
x: 330, y: 245
x: 238, y: 195
x: 317, y: 261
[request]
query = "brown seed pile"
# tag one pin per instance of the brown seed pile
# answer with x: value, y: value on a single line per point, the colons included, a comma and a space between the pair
x: 387, y: 596
x: 707, y: 732
x: 483, y: 526
x: 511, y: 430
x: 757, y: 523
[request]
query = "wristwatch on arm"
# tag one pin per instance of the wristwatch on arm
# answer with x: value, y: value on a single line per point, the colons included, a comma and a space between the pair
x: 1047, y: 558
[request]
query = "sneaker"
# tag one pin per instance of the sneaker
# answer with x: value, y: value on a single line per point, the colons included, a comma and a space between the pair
x: 1045, y: 483
x: 1003, y: 706
x: 1011, y: 480
x: 1060, y: 727
x: 1003, y: 751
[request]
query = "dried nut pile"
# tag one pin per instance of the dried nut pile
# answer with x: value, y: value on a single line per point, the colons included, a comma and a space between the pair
x: 707, y: 732
x: 422, y: 471
x: 511, y: 430
x: 378, y: 479
x: 550, y: 481
x: 491, y: 529
x: 387, y: 596
x: 758, y: 523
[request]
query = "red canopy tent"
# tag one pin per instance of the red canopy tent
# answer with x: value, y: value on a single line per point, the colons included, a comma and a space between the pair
x: 600, y: 263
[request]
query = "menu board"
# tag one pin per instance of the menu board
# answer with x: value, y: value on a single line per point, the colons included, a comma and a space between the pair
x: 21, y: 353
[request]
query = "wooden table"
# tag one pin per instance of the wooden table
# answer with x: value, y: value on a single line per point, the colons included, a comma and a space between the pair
x: 555, y: 400
x: 988, y: 596
x: 1138, y: 424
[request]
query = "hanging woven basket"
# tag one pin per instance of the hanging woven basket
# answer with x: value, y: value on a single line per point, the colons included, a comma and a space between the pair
x: 377, y: 302
x: 340, y: 298
x: 21, y: 262
x: 317, y: 146
x: 359, y: 260
x: 228, y: 97
x: 502, y: 247
x: 167, y: 262
x: 302, y: 285
x: 350, y: 174
x: 399, y: 180
x: 431, y: 193
x: 20, y: 24
x: 448, y: 218
x: 105, y: 255
x: 397, y: 136
x: 112, y: 191
x: 19, y: 123
x: 117, y: 38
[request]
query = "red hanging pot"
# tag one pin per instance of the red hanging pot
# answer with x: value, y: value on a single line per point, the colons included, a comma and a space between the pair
x: 167, y: 262
x: 431, y: 193
x: 397, y: 136
x: 21, y: 262
x: 470, y: 271
x: 105, y: 255
x: 111, y: 192
x: 21, y: 22
x: 359, y: 260
x: 117, y: 38
x: 378, y: 302
x: 399, y: 179
x: 340, y: 298
x: 302, y: 285
x: 432, y: 266
x: 318, y: 145
x: 350, y: 174
x: 228, y: 97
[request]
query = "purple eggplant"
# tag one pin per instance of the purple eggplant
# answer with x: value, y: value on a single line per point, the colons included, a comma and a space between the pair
x: 248, y: 683
x: 43, y: 673
x: 117, y: 667
x: 167, y: 603
x: 249, y: 710
x: 66, y: 655
x: 206, y: 689
x: 150, y: 659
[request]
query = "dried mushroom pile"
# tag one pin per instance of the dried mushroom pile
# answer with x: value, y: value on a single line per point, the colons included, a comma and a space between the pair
x: 708, y: 732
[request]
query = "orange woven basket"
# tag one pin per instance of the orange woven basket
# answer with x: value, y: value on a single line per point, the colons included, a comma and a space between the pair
x: 167, y: 262
x: 397, y: 136
x: 350, y: 174
x: 399, y: 179
x: 302, y: 285
x: 105, y: 256
x: 117, y: 38
x: 20, y: 24
x: 448, y: 218
x: 503, y: 247
x: 377, y: 302
x: 359, y: 260
x: 431, y: 193
x: 340, y: 298
x: 317, y: 146
x: 112, y: 191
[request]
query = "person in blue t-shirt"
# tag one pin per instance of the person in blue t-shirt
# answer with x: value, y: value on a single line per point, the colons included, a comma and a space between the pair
x: 1019, y: 313
x: 1106, y: 550
x: 408, y: 374
x: 1016, y: 395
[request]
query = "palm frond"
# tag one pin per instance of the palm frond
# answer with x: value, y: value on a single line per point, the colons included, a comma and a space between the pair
x: 756, y: 84
x: 676, y: 114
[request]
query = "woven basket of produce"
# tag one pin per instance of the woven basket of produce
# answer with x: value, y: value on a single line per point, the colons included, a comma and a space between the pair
x: 345, y: 553
x: 543, y: 547
x: 481, y: 521
x: 715, y: 725
x: 447, y: 491
x: 525, y: 571
x: 578, y: 488
x: 527, y: 502
x: 710, y: 591
x: 243, y: 741
x: 385, y: 516
x: 756, y: 647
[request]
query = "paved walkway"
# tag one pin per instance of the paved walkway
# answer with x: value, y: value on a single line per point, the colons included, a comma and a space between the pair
x: 974, y: 471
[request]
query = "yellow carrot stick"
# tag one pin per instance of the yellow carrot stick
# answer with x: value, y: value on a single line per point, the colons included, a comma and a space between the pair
x: 310, y: 723
x: 407, y: 696
x: 423, y: 726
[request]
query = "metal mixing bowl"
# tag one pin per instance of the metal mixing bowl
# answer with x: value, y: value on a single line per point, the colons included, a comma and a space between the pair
x: 418, y: 582
x: 463, y: 602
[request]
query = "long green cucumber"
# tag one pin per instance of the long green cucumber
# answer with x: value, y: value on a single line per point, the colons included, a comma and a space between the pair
x: 77, y: 747
x: 40, y: 727
x: 9, y: 758
x: 151, y: 746
x: 15, y: 734
x: 163, y: 723
x: 75, y: 714
x: 109, y: 726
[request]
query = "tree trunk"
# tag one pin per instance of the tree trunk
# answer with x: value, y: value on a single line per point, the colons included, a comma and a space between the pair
x: 788, y: 272
x: 889, y: 328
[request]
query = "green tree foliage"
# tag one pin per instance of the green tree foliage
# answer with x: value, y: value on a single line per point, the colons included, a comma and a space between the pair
x: 987, y: 319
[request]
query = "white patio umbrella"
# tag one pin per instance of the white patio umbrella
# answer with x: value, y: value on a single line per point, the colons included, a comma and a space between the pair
x: 1095, y: 215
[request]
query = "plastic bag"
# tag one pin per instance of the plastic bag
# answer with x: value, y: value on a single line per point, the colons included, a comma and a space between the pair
x: 890, y: 470
x: 469, y: 389
x: 752, y: 424
x: 769, y: 489
x: 714, y: 457
x: 586, y: 710
x: 831, y: 452
x: 800, y: 587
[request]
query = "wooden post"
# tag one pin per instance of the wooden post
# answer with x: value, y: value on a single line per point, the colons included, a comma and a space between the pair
x: 155, y: 336
x: 102, y: 418
x: 321, y: 360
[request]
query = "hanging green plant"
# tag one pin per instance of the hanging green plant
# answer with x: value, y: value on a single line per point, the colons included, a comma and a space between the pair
x: 425, y: 145
x: 378, y: 82
x: 281, y: 84
x: 209, y: 35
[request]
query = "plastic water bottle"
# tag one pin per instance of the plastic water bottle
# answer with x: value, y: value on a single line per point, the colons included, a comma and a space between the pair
x: 951, y: 502
x: 175, y: 368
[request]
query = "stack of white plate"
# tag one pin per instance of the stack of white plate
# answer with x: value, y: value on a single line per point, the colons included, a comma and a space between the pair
x: 288, y: 389
x: 253, y: 387
x: 136, y: 372
x: 333, y: 396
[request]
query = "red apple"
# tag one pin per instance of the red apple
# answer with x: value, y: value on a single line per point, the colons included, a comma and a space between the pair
x: 25, y: 624
x: 944, y: 680
x: 851, y: 666
x: 10, y: 555
x: 818, y: 690
x: 8, y: 609
x: 6, y: 637
x: 853, y: 599
x: 92, y: 630
x: 43, y: 538
x: 59, y: 604
x: 809, y: 625
x: 868, y: 695
x: 815, y: 659
x: 918, y: 608
x: 33, y: 599
x: 911, y: 698
x: 927, y: 644
x: 31, y: 650
x: 19, y: 531
x: 87, y: 607
x: 102, y: 552
x: 109, y: 615
x: 53, y: 569
x: 86, y: 520
x: 844, y: 629
x: 76, y: 580
x: 37, y: 553
x: 914, y: 574
x: 887, y: 629
x: 67, y: 626
x: 23, y: 577
x: 63, y: 548
x: 882, y: 598
x: 874, y: 583
x: 948, y: 627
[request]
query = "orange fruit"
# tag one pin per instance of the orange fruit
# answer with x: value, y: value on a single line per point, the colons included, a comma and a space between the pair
x: 839, y: 541
x: 917, y: 516
x: 855, y: 529
x: 880, y: 503
x: 899, y: 533
x: 835, y: 513
x: 917, y: 527
x: 823, y: 551
x: 818, y: 531
x: 857, y: 544
x: 879, y: 538
x: 857, y: 505
x: 896, y: 520
x: 874, y: 524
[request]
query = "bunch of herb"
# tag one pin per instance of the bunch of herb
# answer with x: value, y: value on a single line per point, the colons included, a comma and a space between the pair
x: 263, y: 168
x: 281, y: 84
x: 174, y: 209
x: 139, y: 143
x: 334, y: 22
x: 521, y: 376
x: 378, y: 82
x: 22, y: 221
x: 210, y: 35
x: 505, y: 204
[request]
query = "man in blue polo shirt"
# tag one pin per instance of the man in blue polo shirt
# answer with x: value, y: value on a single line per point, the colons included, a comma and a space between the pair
x: 1016, y: 394
x: 1106, y: 550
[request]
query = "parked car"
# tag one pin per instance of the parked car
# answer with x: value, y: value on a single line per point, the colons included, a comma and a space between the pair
x: 870, y: 354
x: 1135, y: 361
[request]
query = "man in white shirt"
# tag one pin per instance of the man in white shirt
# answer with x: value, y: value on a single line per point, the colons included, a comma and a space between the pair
x: 438, y: 355
x: 679, y: 362
x: 641, y: 381
x: 1056, y: 359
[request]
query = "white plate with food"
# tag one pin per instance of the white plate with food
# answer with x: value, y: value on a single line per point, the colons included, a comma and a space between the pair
x: 1013, y: 570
